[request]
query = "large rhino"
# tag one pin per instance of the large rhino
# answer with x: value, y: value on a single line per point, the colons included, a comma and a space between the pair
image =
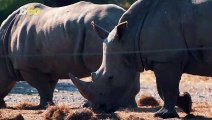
x: 169, y: 37
x: 40, y: 45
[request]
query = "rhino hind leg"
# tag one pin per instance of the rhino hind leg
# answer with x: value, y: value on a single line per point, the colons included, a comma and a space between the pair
x: 5, y: 87
x: 53, y: 84
x: 2, y: 104
x: 43, y: 83
x: 87, y: 104
x: 168, y: 76
x: 184, y: 101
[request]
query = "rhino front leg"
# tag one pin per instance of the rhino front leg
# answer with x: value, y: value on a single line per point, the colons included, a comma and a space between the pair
x: 168, y: 76
x: 41, y: 82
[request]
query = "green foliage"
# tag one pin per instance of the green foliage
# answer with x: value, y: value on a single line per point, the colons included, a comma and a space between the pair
x: 8, y: 6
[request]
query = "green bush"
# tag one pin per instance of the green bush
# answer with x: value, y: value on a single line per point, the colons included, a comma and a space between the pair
x: 8, y: 6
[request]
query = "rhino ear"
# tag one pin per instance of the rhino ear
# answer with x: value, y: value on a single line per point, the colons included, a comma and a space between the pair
x: 100, y: 31
x: 121, y: 29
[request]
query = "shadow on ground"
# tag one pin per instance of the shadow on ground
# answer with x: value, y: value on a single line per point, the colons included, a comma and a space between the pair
x: 196, y: 117
x: 24, y: 88
x: 143, y: 109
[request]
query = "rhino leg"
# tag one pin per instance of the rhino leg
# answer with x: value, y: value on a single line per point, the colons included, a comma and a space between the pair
x: 43, y: 83
x: 5, y: 88
x: 53, y: 84
x: 168, y: 76
x: 184, y: 101
x: 6, y: 84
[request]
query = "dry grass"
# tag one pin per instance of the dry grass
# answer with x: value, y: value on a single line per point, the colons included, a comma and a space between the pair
x: 56, y: 112
x: 132, y: 117
x: 62, y: 112
x: 65, y: 113
x: 14, y: 114
x: 26, y: 105
x: 200, y: 111
x: 82, y: 114
x: 12, y: 117
x: 147, y: 101
x: 112, y: 116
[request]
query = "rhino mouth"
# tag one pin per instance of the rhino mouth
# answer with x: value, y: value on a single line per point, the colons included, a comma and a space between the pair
x: 100, y: 108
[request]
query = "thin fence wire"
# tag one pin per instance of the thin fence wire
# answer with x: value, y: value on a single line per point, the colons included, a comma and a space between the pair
x: 111, y: 53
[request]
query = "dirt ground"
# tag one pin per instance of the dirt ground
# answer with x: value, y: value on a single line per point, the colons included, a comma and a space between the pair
x: 200, y: 89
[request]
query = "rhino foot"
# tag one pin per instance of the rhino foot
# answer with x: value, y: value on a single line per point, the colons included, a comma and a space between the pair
x: 45, y: 105
x: 87, y: 104
x: 2, y: 104
x: 185, y: 103
x: 164, y: 113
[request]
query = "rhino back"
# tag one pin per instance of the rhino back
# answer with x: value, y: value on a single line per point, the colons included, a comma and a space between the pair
x: 53, y: 41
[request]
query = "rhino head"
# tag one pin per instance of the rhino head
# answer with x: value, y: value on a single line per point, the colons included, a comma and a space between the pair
x: 116, y: 83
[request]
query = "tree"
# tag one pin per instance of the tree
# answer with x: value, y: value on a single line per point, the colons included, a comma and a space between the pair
x: 8, y: 6
x: 59, y: 3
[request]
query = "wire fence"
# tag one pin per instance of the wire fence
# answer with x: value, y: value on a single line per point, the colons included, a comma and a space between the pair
x: 111, y: 53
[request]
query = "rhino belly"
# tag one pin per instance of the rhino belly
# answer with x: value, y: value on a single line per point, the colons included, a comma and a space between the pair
x: 199, y: 68
x: 59, y: 67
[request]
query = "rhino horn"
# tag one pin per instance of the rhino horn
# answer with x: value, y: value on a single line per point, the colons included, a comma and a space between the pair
x: 85, y: 88
x: 100, y: 31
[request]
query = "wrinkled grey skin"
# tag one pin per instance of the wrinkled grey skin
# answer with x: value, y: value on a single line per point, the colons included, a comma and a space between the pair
x: 169, y: 37
x: 43, y: 48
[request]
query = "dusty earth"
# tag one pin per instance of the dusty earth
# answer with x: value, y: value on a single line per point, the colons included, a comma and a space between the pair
x: 66, y: 94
